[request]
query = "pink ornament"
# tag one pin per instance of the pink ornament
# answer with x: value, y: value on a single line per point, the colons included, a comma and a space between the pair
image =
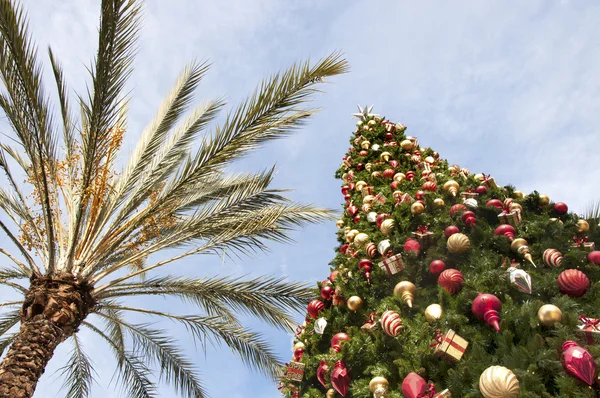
x: 437, y: 266
x: 482, y: 190
x: 451, y: 230
x: 457, y: 209
x: 337, y: 339
x: 419, y: 195
x: 578, y: 362
x: 322, y: 371
x: 506, y: 230
x: 314, y: 307
x: 594, y: 257
x: 561, y: 208
x: 414, y: 386
x: 573, y: 283
x: 340, y: 379
x: 495, y: 203
x: 487, y: 307
x: 394, y: 185
x: 411, y: 245
x: 388, y: 173
x: 451, y: 280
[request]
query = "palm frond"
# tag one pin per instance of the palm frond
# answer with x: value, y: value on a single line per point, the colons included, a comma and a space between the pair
x: 78, y: 372
x: 8, y: 320
x: 18, y: 244
x: 133, y: 374
x: 592, y: 211
x: 6, y: 341
x: 156, y: 346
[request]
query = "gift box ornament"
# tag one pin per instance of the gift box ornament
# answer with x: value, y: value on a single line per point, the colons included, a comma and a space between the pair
x: 512, y: 217
x: 379, y: 198
x: 367, y: 190
x: 423, y: 236
x: 425, y: 167
x: 295, y: 371
x: 591, y: 328
x: 489, y: 181
x: 583, y: 243
x: 450, y: 346
x: 392, y: 264
x: 469, y: 195
x: 372, y: 324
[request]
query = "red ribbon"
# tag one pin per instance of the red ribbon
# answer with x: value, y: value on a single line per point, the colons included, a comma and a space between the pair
x: 592, y: 325
x: 438, y: 339
x: 299, y: 330
x: 430, y: 393
x: 389, y: 254
x: 423, y: 229
x: 580, y: 242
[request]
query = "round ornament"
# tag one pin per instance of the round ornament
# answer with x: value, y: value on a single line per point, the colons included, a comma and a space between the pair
x: 481, y: 190
x: 573, y: 283
x: 327, y: 292
x: 594, y: 257
x: 549, y: 315
x: 518, y: 194
x: 430, y: 186
x: 451, y: 230
x: 583, y: 226
x: 433, y: 312
x: 407, y: 145
x: 487, y: 308
x: 361, y: 239
x: 506, y: 230
x: 354, y: 303
x: 417, y: 208
x: 387, y: 226
x: 561, y: 208
x: 314, y: 307
x: 411, y: 245
x: 439, y: 202
x: 471, y: 203
x: 457, y: 209
x: 458, y: 243
x: 544, y: 200
x: 499, y: 382
x: 451, y: 280
x: 552, y: 258
x: 378, y: 386
x: 497, y: 203
x: 337, y: 340
x: 406, y: 291
x: 391, y: 323
x: 339, y: 224
x: 437, y: 266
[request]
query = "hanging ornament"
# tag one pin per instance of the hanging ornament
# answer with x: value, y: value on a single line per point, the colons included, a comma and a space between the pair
x: 320, y: 325
x: 468, y: 218
x: 552, y: 258
x: 361, y: 239
x: 371, y: 249
x: 337, y: 340
x: 458, y: 243
x: 450, y: 346
x: 384, y: 246
x: 429, y: 186
x: 339, y: 224
x: 385, y: 156
x: 417, y: 208
x: 391, y: 323
x: 594, y: 257
x: 497, y: 203
x: 506, y: 230
x: 583, y: 226
x: 378, y: 386
x: 487, y: 307
x: 549, y: 315
x: 406, y: 291
x: 414, y: 386
x: 407, y: 145
x: 433, y: 312
x: 520, y: 247
x: 340, y: 379
x: 314, y: 307
x: 439, y: 202
x: 327, y: 292
x: 499, y: 382
x: 410, y: 175
x: 451, y: 280
x: 471, y: 203
x: 437, y: 266
x: 399, y: 177
x: 354, y: 303
x: 578, y: 362
x: 388, y: 173
x: 322, y: 371
x: 457, y: 209
x: 387, y: 226
x: 561, y: 208
x: 366, y: 266
x: 544, y: 200
x: 573, y: 283
x: 451, y: 187
x: 481, y: 190
x: 330, y: 393
x: 412, y: 246
x: 451, y: 230
x: 520, y: 278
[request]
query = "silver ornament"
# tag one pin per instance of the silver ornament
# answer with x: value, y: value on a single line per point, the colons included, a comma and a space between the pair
x: 320, y: 325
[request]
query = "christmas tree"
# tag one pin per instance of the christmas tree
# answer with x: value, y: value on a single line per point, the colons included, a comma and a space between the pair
x: 447, y: 284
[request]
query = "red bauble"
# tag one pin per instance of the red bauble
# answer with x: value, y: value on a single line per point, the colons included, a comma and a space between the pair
x: 419, y: 195
x: 340, y: 379
x: 394, y: 185
x: 393, y: 163
x: 351, y: 186
x: 333, y: 275
x: 573, y: 283
x: 360, y: 167
x: 345, y: 190
x: 322, y: 371
x: 380, y: 218
x: 314, y: 307
x: 327, y: 292
x: 487, y: 308
x: 457, y: 209
x: 344, y: 248
x: 437, y: 266
x: 347, y: 197
x: 451, y: 230
x: 366, y: 265
x: 561, y: 208
x: 389, y: 136
x: 451, y: 280
x: 356, y: 219
x: 578, y: 362
x: 388, y: 173
x: 430, y: 186
x: 495, y: 203
x: 414, y: 386
x: 337, y: 339
x: 364, y: 152
x: 469, y: 218
x: 352, y: 210
x: 410, y: 175
x: 482, y: 189
x: 411, y: 245
x: 298, y: 352
x: 506, y: 230
x: 594, y: 257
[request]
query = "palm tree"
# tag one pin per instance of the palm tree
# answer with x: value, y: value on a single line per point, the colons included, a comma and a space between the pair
x: 85, y: 232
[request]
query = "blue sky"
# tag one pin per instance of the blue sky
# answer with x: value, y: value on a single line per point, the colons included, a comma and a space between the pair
x: 509, y: 88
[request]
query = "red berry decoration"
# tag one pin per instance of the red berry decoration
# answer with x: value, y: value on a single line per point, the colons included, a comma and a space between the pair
x: 594, y: 257
x: 561, y: 208
x: 457, y: 209
x: 482, y: 190
x: 578, y: 362
x: 430, y: 186
x: 340, y: 379
x: 437, y: 266
x: 469, y: 218
x: 487, y: 308
x: 451, y: 230
x: 360, y: 167
x: 506, y: 230
x: 573, y: 283
x: 327, y: 292
x: 314, y: 307
x: 322, y: 370
x: 337, y: 339
x: 414, y: 386
x: 495, y: 203
x: 411, y: 245
x: 451, y: 280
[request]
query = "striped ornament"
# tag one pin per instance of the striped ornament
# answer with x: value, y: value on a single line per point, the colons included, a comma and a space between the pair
x: 391, y: 323
x: 371, y: 249
x: 552, y: 258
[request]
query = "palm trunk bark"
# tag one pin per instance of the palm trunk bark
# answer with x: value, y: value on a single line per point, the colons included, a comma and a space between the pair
x: 52, y: 311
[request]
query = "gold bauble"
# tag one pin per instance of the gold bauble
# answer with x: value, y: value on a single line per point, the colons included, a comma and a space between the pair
x: 458, y: 243
x: 376, y: 174
x: 544, y: 200
x: 583, y: 226
x: 339, y: 224
x: 479, y: 177
x: 549, y: 314
x: 365, y: 144
x: 407, y: 145
x: 368, y: 166
x: 439, y: 202
x: 368, y: 198
x: 433, y: 312
x: 451, y: 187
x: 499, y: 382
x: 354, y: 303
x: 417, y: 208
x: 350, y: 235
x: 330, y: 393
x: 518, y: 194
x: 372, y: 122
x: 399, y: 177
x: 298, y: 345
x: 516, y: 206
x: 360, y: 185
x: 406, y: 290
x: 453, y: 169
x: 387, y: 226
x: 385, y: 156
x: 378, y: 386
x: 520, y: 247
x: 430, y: 159
x: 361, y: 240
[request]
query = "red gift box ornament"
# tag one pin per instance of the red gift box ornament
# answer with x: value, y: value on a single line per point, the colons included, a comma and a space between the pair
x: 340, y: 379
x: 424, y: 236
x: 392, y: 264
x: 583, y: 243
x: 487, y: 307
x: 591, y: 327
x: 294, y: 371
x: 578, y: 362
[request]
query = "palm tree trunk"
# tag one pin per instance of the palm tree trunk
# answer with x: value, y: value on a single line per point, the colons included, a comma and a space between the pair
x: 27, y: 358
x: 52, y: 311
